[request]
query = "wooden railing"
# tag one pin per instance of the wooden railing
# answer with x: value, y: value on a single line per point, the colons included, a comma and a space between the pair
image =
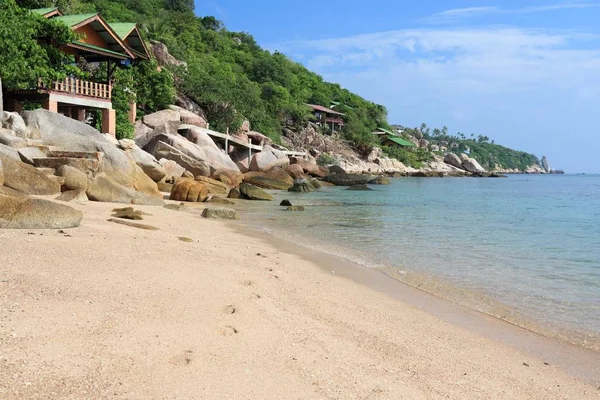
x: 79, y: 87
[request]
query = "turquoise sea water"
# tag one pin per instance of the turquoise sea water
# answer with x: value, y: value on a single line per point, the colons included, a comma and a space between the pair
x: 530, y: 242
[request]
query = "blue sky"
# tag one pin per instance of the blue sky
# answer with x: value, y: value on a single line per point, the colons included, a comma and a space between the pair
x: 525, y: 73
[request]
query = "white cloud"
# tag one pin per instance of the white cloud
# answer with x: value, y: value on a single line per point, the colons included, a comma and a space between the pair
x: 525, y: 88
x: 459, y: 14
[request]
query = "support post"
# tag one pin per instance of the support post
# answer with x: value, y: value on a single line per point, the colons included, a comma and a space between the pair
x: 81, y: 114
x: 249, y: 151
x: 109, y: 121
x: 50, y: 105
x: 132, y: 114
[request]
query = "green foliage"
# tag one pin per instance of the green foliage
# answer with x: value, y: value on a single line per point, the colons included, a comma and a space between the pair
x: 154, y: 88
x: 122, y: 97
x: 490, y: 155
x: 325, y: 159
x: 408, y: 156
x: 29, y: 48
x: 233, y: 79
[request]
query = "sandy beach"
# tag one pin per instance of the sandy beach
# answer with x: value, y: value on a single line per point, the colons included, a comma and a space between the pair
x: 200, y: 309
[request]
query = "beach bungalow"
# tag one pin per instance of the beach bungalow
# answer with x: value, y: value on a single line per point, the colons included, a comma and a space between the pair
x: 99, y: 42
x: 389, y: 138
x: 327, y: 116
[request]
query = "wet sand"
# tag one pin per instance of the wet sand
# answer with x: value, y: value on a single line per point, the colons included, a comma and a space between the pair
x: 111, y: 311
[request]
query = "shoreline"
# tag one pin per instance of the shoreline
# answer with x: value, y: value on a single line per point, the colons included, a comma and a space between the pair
x: 442, y: 288
x: 227, y: 314
x: 579, y: 360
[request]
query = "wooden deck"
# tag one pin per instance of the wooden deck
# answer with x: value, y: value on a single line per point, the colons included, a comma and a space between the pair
x: 237, y: 142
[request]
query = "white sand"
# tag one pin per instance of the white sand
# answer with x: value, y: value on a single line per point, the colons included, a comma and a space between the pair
x: 118, y: 312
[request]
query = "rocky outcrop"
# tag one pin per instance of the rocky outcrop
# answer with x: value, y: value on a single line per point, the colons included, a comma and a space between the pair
x: 15, y: 123
x: 295, y: 171
x: 252, y: 192
x: 66, y: 133
x: 454, y: 160
x: 74, y: 179
x: 172, y: 169
x: 276, y: 178
x: 302, y: 186
x: 545, y: 165
x: 208, y: 150
x: 471, y: 165
x: 186, y: 189
x: 25, y: 178
x: 228, y: 177
x: 74, y: 196
x: 220, y: 213
x: 268, y: 159
x: 27, y: 213
x: 29, y: 154
x: 8, y: 138
x: 146, y: 161
x: 214, y: 186
x: 344, y: 179
x: 165, y: 151
x: 104, y: 188
x: 163, y: 57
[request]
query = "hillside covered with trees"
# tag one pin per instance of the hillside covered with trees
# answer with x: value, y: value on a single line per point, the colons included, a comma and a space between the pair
x: 228, y: 74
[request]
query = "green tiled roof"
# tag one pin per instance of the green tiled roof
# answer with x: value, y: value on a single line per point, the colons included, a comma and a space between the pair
x: 387, y: 131
x: 402, y: 142
x: 122, y: 29
x: 72, y: 20
x: 100, y: 49
x: 44, y: 11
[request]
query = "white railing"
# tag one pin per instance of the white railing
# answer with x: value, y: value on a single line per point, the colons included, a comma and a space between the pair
x: 79, y: 87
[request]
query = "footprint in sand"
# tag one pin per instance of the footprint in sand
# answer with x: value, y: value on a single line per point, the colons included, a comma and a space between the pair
x: 230, y: 309
x: 229, y: 331
x: 183, y: 359
x: 247, y: 283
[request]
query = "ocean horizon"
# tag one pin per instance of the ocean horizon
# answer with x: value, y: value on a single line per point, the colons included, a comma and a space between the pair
x: 524, y: 249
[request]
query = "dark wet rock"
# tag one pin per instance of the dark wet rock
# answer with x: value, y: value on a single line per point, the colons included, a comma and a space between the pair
x: 254, y: 193
x: 343, y: 179
x: 220, y: 213
x: 301, y: 186
x: 380, y: 180
x: 361, y: 186
x: 285, y: 203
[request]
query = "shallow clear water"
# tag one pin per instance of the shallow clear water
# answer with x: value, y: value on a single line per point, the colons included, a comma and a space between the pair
x: 531, y: 242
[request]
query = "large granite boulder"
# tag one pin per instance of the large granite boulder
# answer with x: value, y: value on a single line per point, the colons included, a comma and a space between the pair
x: 172, y: 169
x: 8, y: 138
x: 205, y: 148
x: 220, y: 213
x: 308, y: 167
x: 146, y: 161
x: 295, y: 171
x: 214, y: 186
x: 454, y: 160
x: 274, y: 179
x: 25, y: 178
x: 15, y: 123
x: 186, y: 189
x: 27, y: 213
x: 74, y: 196
x: 104, y: 188
x: 268, y: 159
x: 189, y: 118
x: 165, y: 151
x: 160, y: 118
x: 252, y: 192
x: 9, y: 152
x: 471, y: 165
x: 302, y: 186
x: 228, y: 177
x: 1, y: 174
x: 29, y: 154
x: 336, y: 169
x: 344, y: 179
x: 74, y: 178
x: 68, y: 134
x: 197, y: 145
